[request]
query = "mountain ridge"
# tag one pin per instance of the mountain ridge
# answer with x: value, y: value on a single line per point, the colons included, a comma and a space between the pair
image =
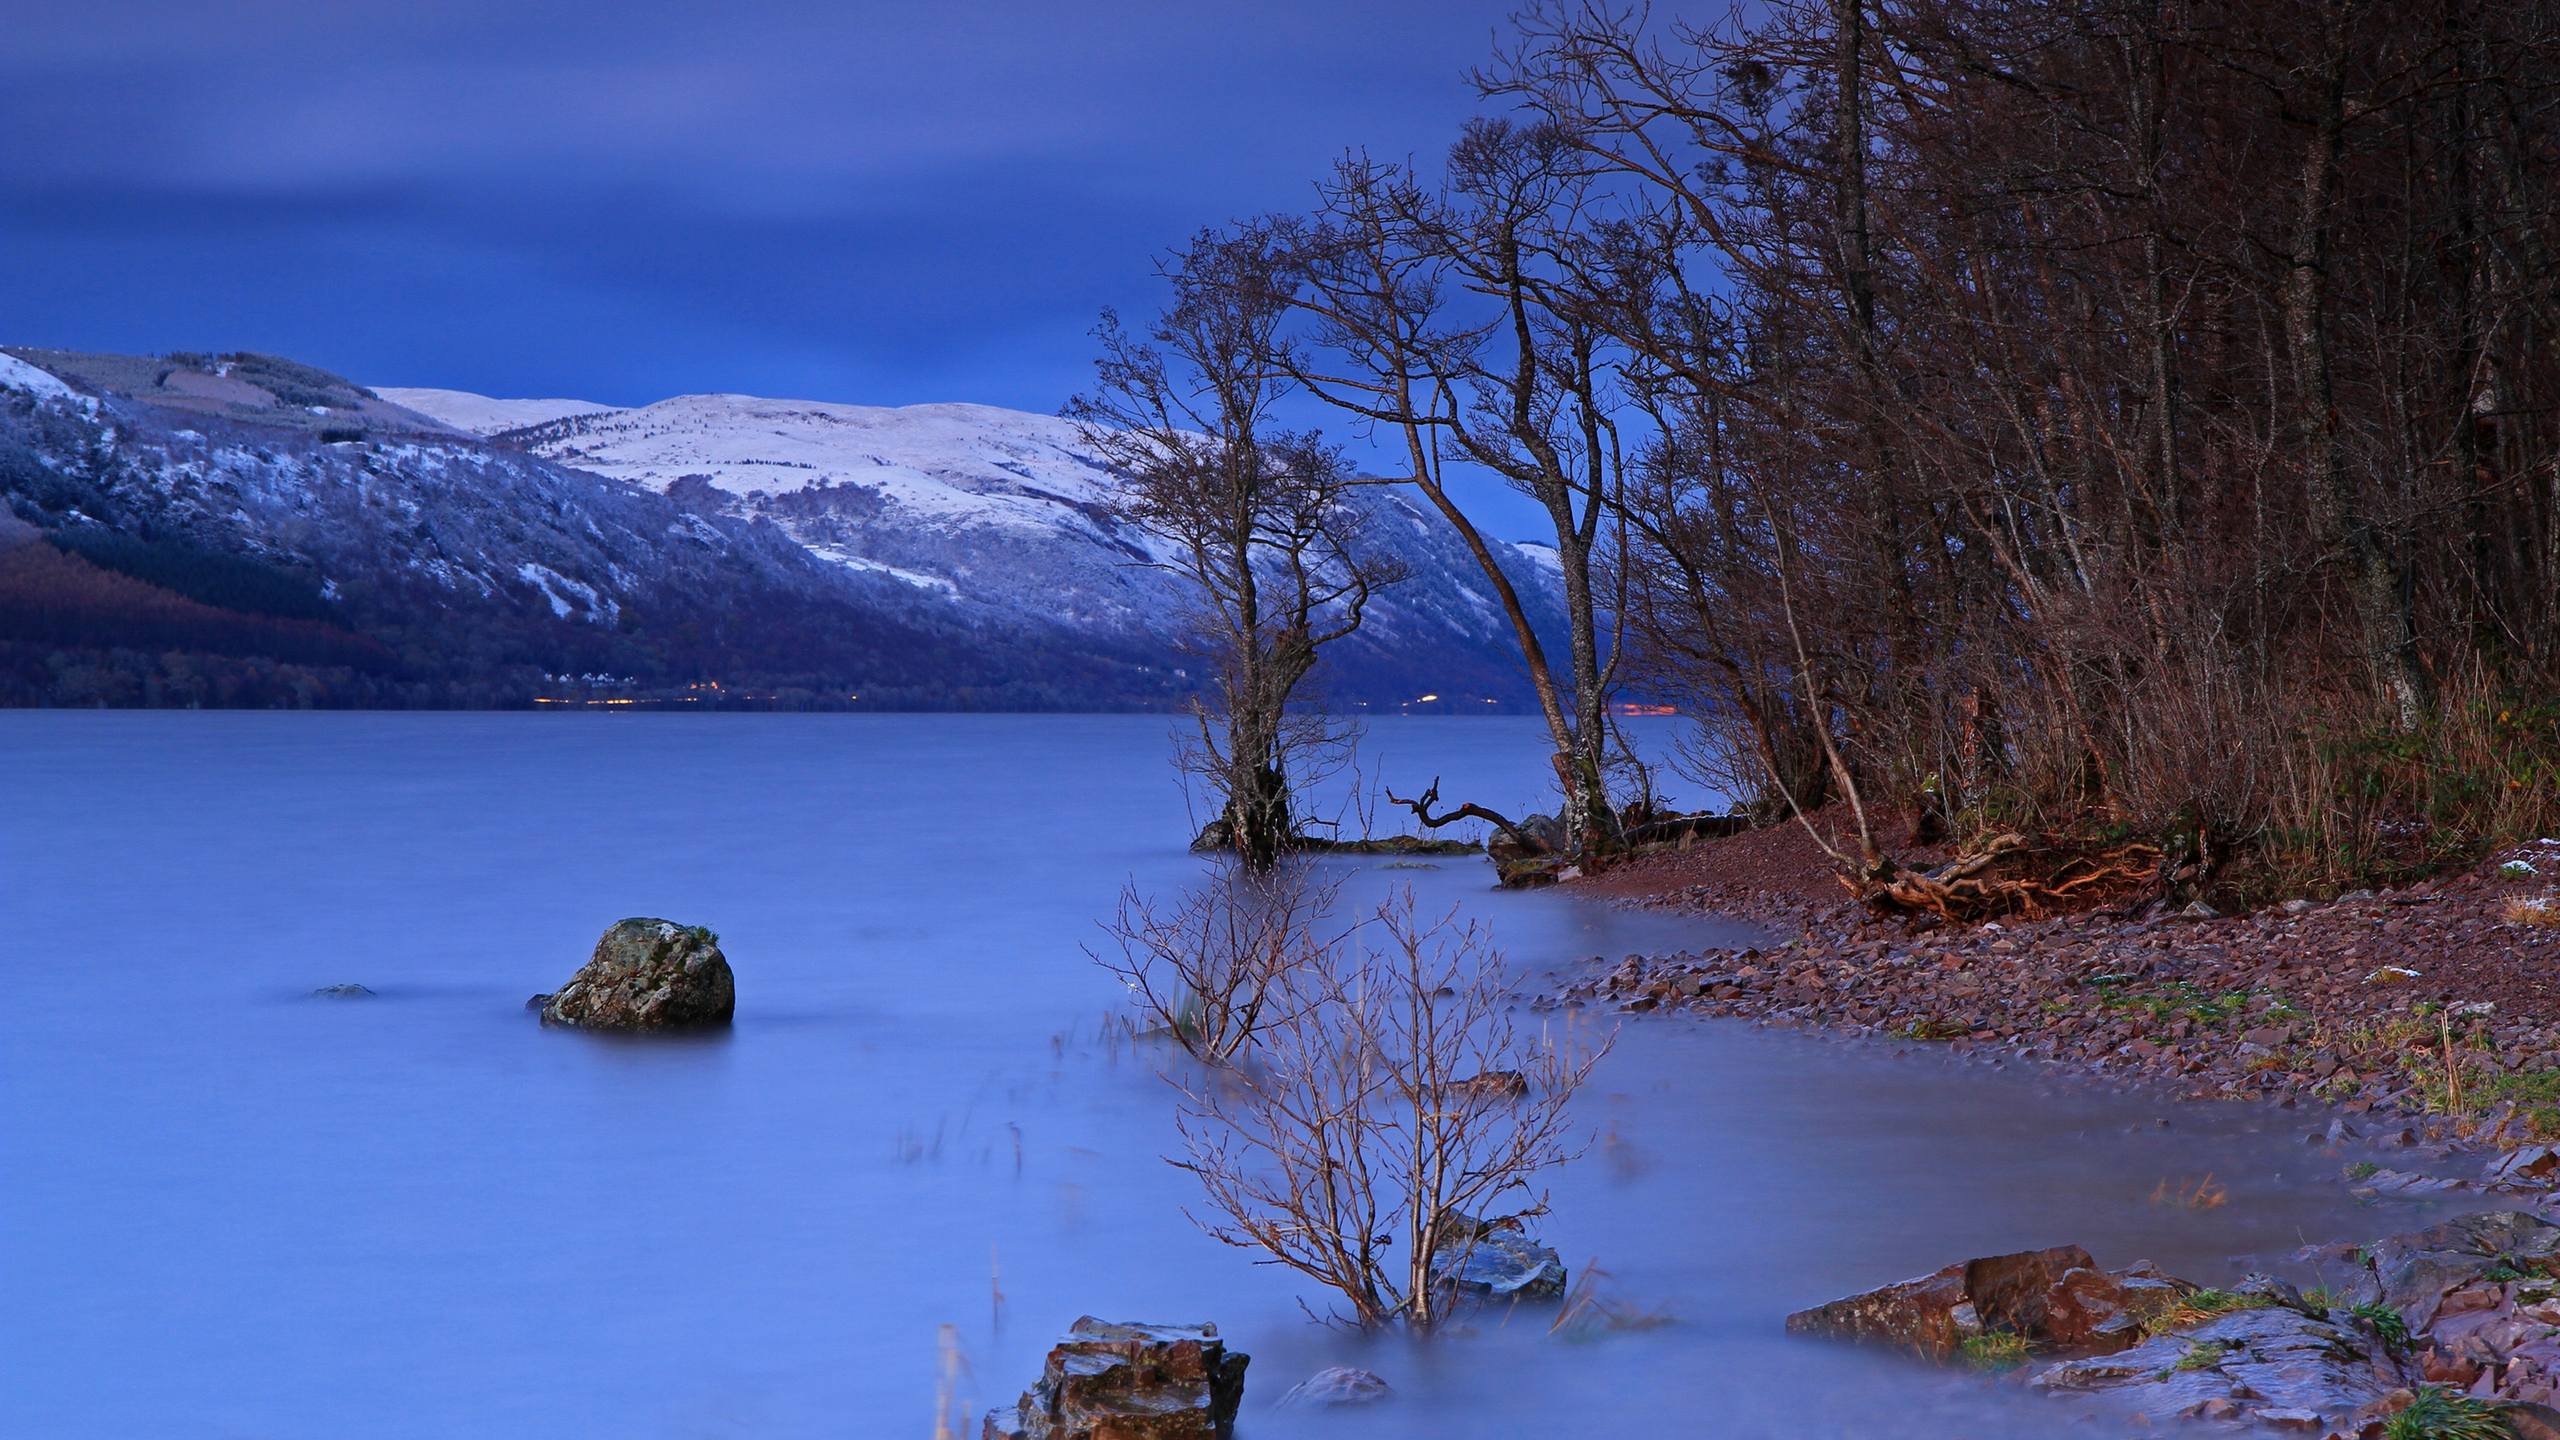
x: 697, y: 550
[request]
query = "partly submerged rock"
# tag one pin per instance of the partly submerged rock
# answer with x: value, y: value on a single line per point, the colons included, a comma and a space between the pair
x: 648, y: 974
x: 2528, y: 1167
x: 2389, y: 1184
x: 2270, y: 1364
x: 1527, y: 872
x: 1337, y: 1386
x: 341, y: 992
x: 2414, y: 1274
x: 2055, y: 1298
x: 2472, y: 1304
x: 1491, y: 1085
x: 1109, y: 1381
x: 1476, y: 1260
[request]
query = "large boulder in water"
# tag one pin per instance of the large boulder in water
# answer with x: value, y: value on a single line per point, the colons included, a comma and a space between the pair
x: 1109, y: 1381
x: 648, y: 974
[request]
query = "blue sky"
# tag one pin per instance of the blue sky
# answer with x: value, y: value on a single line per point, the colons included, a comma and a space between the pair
x: 885, y: 203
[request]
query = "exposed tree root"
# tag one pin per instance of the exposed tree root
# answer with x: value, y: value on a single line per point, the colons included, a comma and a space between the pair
x: 2008, y: 875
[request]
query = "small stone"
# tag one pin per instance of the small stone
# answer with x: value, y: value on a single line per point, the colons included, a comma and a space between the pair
x: 2531, y: 1421
x: 1478, y: 1260
x: 341, y: 992
x: 1337, y: 1386
x: 2531, y: 1167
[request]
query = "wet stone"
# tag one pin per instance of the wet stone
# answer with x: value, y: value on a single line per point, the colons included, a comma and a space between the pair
x: 1121, y: 1381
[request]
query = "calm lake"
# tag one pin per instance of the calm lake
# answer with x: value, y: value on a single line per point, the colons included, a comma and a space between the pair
x: 230, y: 1209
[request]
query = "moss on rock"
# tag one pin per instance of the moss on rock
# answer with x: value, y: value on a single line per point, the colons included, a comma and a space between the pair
x: 648, y: 974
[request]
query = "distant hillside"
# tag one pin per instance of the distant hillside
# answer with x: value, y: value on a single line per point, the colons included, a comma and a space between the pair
x: 241, y: 529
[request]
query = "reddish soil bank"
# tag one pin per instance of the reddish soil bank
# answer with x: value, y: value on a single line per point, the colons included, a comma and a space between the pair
x: 2367, y: 1001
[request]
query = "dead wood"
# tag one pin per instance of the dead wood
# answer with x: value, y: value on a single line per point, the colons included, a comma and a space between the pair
x: 1421, y: 808
x: 2006, y: 875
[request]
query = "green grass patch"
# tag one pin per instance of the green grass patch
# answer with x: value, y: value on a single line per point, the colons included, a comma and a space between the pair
x: 1994, y: 1350
x: 2181, y: 1000
x: 2441, y: 1414
x: 2387, y: 1325
x: 2202, y: 1355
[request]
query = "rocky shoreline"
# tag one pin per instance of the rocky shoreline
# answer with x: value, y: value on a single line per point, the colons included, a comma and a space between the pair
x: 2426, y: 1018
x: 2434, y: 1007
x: 2446, y: 1333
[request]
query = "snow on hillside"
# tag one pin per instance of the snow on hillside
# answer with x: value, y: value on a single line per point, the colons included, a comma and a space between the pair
x: 977, y: 462
x: 17, y: 374
x: 482, y: 415
x: 1000, y: 516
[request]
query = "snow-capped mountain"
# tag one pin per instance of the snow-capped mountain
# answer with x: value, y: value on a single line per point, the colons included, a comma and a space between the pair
x: 200, y: 502
x: 992, y: 510
x: 968, y: 502
x: 481, y: 415
x: 240, y: 529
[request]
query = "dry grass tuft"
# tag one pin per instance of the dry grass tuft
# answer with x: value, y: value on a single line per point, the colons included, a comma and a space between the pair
x: 2204, y: 1194
x: 2533, y: 910
x: 2197, y: 1308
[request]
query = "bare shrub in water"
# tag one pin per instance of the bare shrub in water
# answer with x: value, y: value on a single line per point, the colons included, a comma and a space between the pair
x: 1209, y: 967
x: 1391, y: 1095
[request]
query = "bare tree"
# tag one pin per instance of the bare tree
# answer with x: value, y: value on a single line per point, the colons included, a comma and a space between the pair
x: 1455, y: 319
x: 1253, y: 515
x: 2088, y: 419
x: 1391, y: 1105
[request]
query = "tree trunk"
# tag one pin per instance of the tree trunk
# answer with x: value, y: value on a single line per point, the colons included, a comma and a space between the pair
x: 2339, y: 518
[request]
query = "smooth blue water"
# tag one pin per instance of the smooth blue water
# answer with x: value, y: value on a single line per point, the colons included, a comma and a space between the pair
x: 228, y: 1209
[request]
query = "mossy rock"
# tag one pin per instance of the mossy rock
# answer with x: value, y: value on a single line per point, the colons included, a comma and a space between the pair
x: 648, y: 974
x: 1528, y: 872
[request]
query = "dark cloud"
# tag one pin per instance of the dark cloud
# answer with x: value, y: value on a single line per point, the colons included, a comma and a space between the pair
x: 887, y: 203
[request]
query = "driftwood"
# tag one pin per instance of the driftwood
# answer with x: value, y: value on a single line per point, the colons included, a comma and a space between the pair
x: 1966, y: 887
x: 1421, y: 809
